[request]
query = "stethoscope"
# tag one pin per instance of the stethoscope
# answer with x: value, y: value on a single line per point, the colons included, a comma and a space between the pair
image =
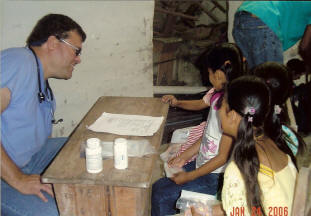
x: 41, y: 96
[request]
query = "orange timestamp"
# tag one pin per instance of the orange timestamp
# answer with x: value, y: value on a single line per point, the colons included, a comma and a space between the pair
x: 257, y: 211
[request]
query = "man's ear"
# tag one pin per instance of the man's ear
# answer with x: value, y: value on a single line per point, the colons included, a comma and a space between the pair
x: 52, y: 42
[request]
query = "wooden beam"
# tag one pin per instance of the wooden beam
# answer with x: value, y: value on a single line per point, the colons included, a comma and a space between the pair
x: 212, y: 16
x: 176, y: 14
x: 219, y: 6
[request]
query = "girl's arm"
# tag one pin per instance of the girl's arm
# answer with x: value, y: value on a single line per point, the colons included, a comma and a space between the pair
x: 214, y: 163
x: 192, y: 104
x: 185, y: 104
x: 186, y: 155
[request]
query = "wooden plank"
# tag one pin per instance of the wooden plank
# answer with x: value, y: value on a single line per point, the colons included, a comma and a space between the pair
x: 165, y: 70
x: 81, y: 200
x: 219, y: 6
x: 302, y: 198
x: 211, y: 15
x: 69, y: 168
x: 176, y: 14
x: 90, y: 200
x: 129, y: 201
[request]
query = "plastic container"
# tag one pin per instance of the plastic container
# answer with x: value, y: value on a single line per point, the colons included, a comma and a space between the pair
x: 93, y: 154
x: 120, y: 153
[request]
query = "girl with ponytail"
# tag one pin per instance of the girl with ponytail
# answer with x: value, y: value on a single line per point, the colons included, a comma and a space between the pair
x: 261, y: 175
x: 278, y: 79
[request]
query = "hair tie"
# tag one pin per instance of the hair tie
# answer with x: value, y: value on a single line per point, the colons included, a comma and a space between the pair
x: 277, y: 109
x: 251, y: 111
x: 250, y: 119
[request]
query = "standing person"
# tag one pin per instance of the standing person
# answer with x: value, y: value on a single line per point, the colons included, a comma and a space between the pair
x: 27, y: 112
x: 264, y: 29
x: 223, y: 62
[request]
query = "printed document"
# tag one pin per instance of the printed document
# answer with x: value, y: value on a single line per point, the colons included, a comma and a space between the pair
x: 130, y: 125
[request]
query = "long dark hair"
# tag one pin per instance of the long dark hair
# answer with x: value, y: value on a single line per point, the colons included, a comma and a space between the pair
x: 278, y: 78
x: 250, y: 97
x: 216, y: 55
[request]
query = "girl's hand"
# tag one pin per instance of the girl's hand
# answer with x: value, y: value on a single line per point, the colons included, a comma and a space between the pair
x: 170, y: 99
x: 181, y: 178
x: 194, y: 212
x: 176, y: 162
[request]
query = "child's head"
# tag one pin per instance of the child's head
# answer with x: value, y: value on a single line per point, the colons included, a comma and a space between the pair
x: 243, y: 113
x: 278, y: 78
x: 224, y: 62
x: 245, y: 105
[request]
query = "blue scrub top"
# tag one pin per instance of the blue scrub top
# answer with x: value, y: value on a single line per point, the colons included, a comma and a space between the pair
x: 26, y: 123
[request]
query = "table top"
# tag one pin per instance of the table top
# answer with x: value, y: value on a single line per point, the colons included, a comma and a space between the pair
x: 69, y: 168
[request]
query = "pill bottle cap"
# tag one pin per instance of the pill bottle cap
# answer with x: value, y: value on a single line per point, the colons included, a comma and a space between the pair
x: 93, y: 143
x: 120, y: 141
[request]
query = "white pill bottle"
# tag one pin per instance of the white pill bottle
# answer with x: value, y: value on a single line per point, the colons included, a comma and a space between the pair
x: 120, y: 153
x: 93, y: 155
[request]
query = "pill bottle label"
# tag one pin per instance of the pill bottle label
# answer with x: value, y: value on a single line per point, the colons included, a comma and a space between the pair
x: 93, y: 153
x: 120, y: 153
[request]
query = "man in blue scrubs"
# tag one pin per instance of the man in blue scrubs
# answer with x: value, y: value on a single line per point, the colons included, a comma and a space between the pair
x: 27, y: 112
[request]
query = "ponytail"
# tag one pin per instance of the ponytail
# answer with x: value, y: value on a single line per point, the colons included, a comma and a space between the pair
x: 246, y: 158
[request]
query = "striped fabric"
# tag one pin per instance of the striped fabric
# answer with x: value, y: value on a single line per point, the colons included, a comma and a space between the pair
x: 266, y: 170
x: 195, y: 134
x: 197, y: 131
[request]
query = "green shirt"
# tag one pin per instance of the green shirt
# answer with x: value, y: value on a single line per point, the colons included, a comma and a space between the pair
x: 287, y: 19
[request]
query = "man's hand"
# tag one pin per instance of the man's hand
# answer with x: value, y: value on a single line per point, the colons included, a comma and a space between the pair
x: 170, y: 99
x: 182, y: 178
x: 31, y: 184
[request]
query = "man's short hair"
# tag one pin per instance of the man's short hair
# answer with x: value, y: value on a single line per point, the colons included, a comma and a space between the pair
x: 53, y: 24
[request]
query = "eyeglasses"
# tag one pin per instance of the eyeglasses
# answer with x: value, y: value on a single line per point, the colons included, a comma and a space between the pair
x: 77, y: 50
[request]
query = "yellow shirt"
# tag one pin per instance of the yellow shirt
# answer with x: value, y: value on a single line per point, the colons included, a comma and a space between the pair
x: 277, y: 190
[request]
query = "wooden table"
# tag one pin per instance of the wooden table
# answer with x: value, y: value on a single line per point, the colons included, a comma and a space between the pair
x: 111, y: 192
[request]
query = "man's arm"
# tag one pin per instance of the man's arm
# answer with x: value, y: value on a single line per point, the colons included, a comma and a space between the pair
x: 5, y: 96
x: 26, y: 184
x: 305, y: 46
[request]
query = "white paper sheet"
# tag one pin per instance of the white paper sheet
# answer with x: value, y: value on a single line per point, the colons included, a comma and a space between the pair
x: 131, y: 125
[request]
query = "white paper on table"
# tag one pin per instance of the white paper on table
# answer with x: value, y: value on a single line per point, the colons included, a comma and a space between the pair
x: 131, y: 125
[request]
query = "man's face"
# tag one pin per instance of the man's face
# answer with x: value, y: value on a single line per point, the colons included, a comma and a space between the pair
x: 67, y: 57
